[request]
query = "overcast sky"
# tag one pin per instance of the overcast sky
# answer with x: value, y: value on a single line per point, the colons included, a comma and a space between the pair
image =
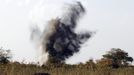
x: 112, y: 19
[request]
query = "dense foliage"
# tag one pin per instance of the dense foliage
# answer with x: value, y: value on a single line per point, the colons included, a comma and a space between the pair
x: 116, y: 58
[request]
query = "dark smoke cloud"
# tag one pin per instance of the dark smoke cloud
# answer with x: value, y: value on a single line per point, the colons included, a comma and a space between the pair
x: 59, y: 38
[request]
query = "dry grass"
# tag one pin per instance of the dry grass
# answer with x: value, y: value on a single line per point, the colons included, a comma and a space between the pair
x: 81, y: 69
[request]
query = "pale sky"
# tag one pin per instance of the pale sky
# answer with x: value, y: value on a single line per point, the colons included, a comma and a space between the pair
x: 112, y: 19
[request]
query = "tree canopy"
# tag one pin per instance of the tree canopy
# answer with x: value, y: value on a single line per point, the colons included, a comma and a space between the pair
x: 118, y: 57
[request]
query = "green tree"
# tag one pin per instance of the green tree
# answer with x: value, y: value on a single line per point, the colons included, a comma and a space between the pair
x: 118, y: 57
x: 5, y: 55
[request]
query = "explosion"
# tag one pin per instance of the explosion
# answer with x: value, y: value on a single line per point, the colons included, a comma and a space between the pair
x: 59, y: 41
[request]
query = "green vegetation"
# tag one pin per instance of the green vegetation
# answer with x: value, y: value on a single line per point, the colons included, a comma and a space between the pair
x: 103, y: 66
x: 115, y: 58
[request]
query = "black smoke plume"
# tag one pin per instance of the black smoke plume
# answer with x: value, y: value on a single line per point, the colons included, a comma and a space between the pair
x: 59, y: 40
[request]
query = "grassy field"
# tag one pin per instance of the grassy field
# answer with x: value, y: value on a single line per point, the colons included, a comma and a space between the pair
x: 81, y: 69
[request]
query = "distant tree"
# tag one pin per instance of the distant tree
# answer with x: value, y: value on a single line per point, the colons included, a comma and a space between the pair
x: 5, y: 55
x: 118, y: 57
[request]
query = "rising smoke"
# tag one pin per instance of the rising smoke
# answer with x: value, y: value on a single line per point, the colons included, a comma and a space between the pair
x: 59, y: 40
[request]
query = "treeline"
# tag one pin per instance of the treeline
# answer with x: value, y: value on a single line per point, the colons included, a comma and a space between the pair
x: 114, y: 62
x: 114, y: 58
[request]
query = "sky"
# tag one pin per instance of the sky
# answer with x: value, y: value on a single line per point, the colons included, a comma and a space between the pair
x: 111, y: 19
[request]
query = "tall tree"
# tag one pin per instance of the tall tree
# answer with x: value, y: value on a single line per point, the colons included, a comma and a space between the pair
x: 119, y: 57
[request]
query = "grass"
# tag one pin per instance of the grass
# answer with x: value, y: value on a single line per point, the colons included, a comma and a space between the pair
x: 81, y: 69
